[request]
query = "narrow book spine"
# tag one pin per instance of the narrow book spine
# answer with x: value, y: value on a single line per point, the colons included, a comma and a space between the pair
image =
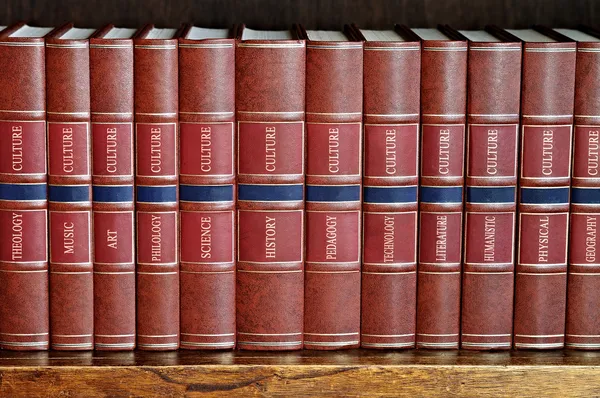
x: 392, y: 75
x: 270, y: 77
x: 583, y: 294
x: 547, y: 124
x: 156, y: 176
x: 24, y: 322
x: 334, y: 78
x: 443, y: 109
x: 111, y: 76
x: 494, y: 88
x: 70, y: 194
x: 207, y: 193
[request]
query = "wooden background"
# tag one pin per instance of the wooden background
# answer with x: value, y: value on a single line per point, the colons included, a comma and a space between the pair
x: 315, y: 14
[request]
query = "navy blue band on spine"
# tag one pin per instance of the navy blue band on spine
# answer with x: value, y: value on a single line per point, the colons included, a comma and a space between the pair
x: 69, y: 193
x: 112, y: 194
x: 491, y: 194
x: 206, y: 193
x: 333, y: 193
x: 585, y: 196
x: 271, y: 193
x: 390, y: 194
x: 156, y: 194
x: 441, y: 194
x: 25, y: 192
x: 544, y: 196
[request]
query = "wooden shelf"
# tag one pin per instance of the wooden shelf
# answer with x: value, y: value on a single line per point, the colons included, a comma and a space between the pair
x: 347, y: 373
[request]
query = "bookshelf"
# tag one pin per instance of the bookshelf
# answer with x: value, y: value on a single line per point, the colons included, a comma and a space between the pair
x: 349, y: 373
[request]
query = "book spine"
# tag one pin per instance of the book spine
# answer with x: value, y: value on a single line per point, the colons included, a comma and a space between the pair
x: 443, y: 109
x: 392, y: 75
x: 334, y: 94
x: 24, y: 322
x: 207, y: 193
x: 156, y: 177
x: 583, y: 294
x: 494, y: 88
x: 270, y: 77
x: 547, y: 124
x: 70, y: 194
x: 111, y: 77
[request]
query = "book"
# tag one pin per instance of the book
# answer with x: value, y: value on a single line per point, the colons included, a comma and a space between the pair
x: 111, y: 93
x: 270, y: 78
x: 334, y: 96
x: 156, y: 178
x: 493, y: 98
x: 443, y: 114
x: 207, y: 187
x: 392, y: 82
x: 583, y: 299
x: 24, y: 312
x: 70, y: 188
x: 546, y: 136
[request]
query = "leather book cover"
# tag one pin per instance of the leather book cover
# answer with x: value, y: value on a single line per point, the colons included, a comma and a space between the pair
x: 111, y: 92
x: 24, y: 313
x: 583, y: 287
x: 493, y: 102
x: 546, y: 135
x: 207, y: 187
x: 270, y: 78
x: 443, y: 109
x: 70, y: 188
x: 392, y: 77
x: 156, y: 177
x: 334, y: 106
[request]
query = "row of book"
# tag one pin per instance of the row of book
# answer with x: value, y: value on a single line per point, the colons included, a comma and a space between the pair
x: 212, y: 188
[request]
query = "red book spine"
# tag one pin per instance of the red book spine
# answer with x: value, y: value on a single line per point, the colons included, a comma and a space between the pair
x: 443, y: 107
x: 207, y: 192
x: 334, y: 93
x: 392, y: 75
x: 111, y: 77
x: 494, y: 87
x: 546, y: 118
x: 69, y: 192
x: 583, y: 294
x: 156, y: 176
x: 270, y: 77
x: 24, y: 323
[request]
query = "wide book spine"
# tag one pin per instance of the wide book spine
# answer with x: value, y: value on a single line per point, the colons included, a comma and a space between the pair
x: 546, y: 129
x: 392, y: 75
x: 156, y: 176
x: 583, y: 294
x: 70, y: 194
x: 494, y: 88
x: 24, y: 322
x: 111, y: 90
x: 334, y: 96
x: 207, y: 193
x: 443, y: 117
x: 270, y: 77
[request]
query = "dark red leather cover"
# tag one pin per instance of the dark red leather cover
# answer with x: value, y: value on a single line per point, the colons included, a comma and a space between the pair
x: 546, y: 116
x: 583, y: 299
x: 207, y: 192
x: 156, y: 177
x: 69, y: 192
x: 443, y: 107
x: 111, y: 76
x: 494, y: 88
x: 270, y: 77
x: 334, y: 79
x: 24, y: 323
x: 392, y: 76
